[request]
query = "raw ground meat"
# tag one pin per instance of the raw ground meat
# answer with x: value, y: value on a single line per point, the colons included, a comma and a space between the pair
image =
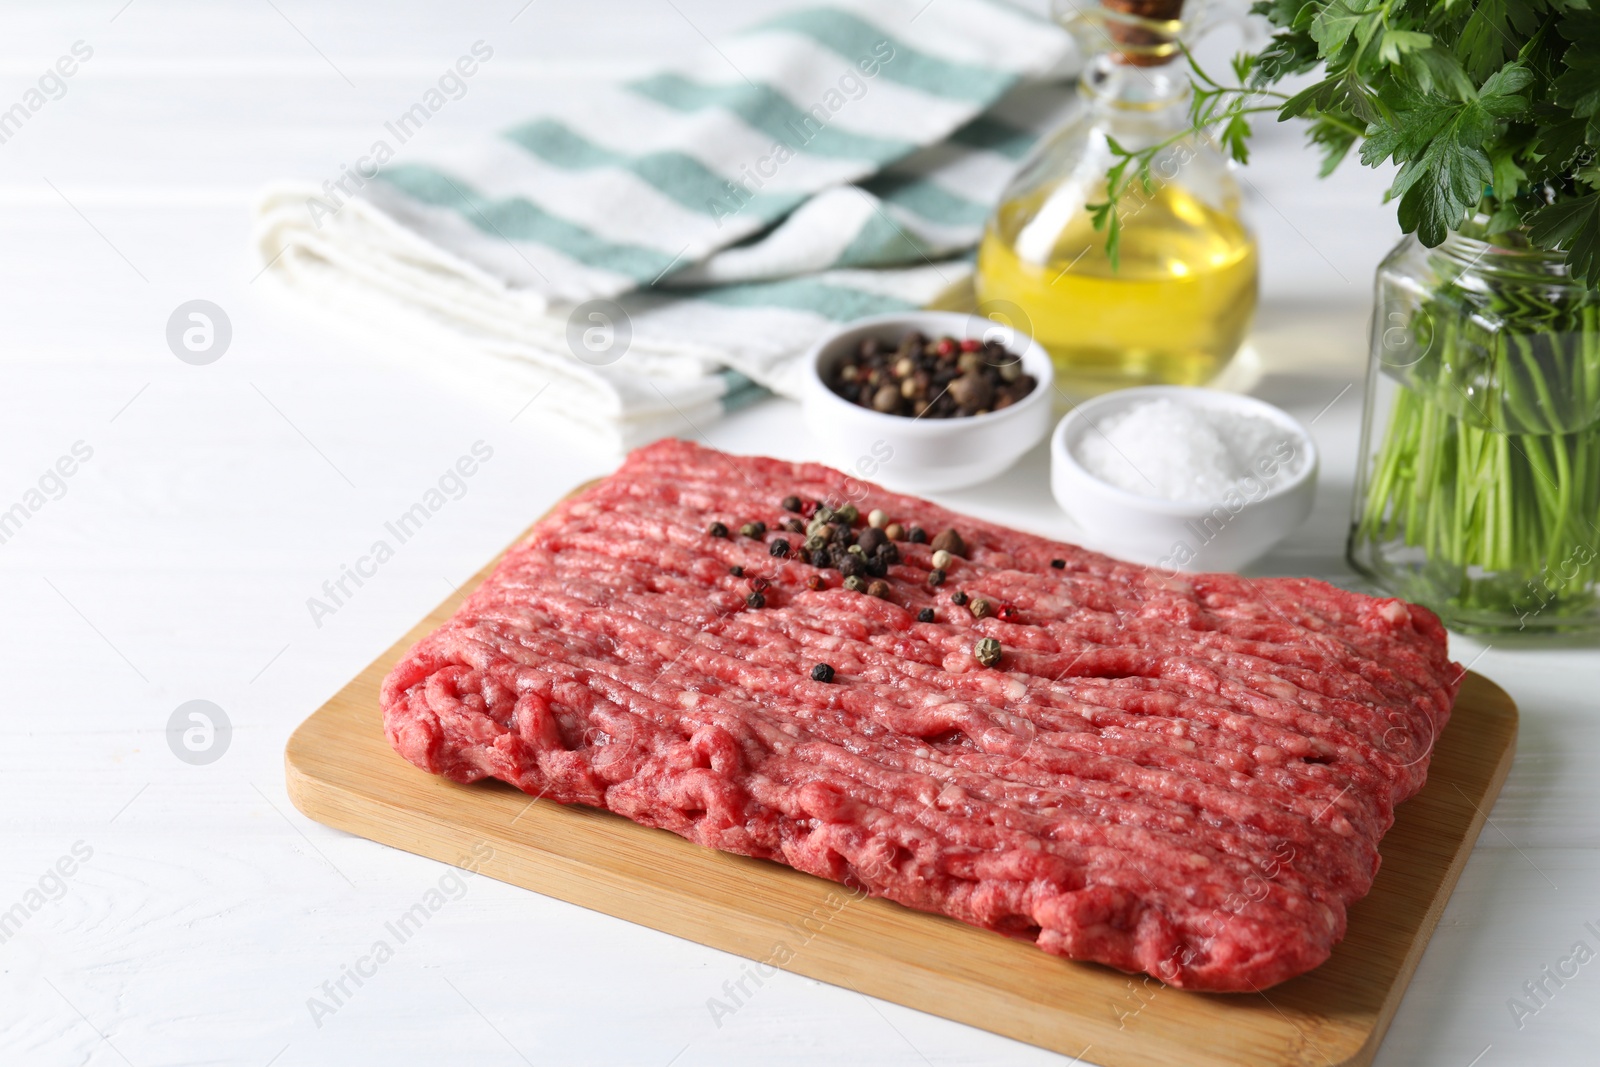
x: 1183, y: 776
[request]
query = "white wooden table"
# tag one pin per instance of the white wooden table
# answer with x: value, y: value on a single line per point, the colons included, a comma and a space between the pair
x: 201, y: 912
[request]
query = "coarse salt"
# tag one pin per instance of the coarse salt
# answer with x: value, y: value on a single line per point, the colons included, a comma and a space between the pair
x: 1175, y: 451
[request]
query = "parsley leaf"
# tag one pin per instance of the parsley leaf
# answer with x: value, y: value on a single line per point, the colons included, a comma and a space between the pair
x: 1341, y: 20
x: 1489, y: 37
x: 1335, y: 141
x: 1578, y: 87
x: 1436, y: 189
x: 1572, y: 226
x: 1397, y: 43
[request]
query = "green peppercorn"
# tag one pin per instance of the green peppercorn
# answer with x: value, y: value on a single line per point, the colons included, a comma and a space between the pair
x: 716, y: 529
x: 981, y: 608
x: 815, y: 544
x: 936, y: 577
x: 779, y: 548
x: 755, y: 530
x: 855, y: 583
x: 925, y: 615
x: 822, y: 673
x: 791, y: 503
x: 958, y: 598
x: 823, y: 514
x: 756, y: 600
x: 987, y: 651
x: 848, y: 514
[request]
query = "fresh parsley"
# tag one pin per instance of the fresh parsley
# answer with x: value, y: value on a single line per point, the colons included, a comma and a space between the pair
x: 1486, y: 106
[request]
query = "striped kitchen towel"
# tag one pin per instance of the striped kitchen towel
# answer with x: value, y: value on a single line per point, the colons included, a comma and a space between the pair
x: 647, y: 255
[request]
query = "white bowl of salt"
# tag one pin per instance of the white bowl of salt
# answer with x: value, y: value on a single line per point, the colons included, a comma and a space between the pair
x: 1181, y: 478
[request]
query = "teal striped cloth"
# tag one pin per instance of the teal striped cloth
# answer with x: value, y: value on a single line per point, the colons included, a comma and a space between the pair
x: 662, y: 250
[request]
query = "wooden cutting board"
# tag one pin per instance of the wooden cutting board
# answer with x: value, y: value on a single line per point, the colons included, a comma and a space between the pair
x: 342, y: 772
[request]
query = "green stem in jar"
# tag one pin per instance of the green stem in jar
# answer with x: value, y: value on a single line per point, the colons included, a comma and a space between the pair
x: 1489, y: 461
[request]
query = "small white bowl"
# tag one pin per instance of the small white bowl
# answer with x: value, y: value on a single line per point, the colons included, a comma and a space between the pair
x: 1183, y: 535
x: 915, y: 454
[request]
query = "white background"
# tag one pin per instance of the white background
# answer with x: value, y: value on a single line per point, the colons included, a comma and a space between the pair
x: 178, y: 563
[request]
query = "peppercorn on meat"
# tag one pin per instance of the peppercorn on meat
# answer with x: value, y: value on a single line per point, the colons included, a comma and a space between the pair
x: 1183, y: 775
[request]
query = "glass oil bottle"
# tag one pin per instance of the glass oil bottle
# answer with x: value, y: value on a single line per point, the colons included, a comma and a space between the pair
x: 1175, y: 303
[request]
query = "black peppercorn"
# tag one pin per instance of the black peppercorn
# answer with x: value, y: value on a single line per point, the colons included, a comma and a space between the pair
x: 779, y: 548
x: 1058, y: 564
x: 822, y: 673
x: 791, y: 503
x: 936, y: 577
x: 888, y: 553
x: 716, y: 529
x: 736, y: 570
x: 877, y: 567
x: 820, y: 558
x: 756, y: 600
x: 755, y: 530
x: 852, y: 567
x: 925, y: 615
x: 918, y: 536
x: 958, y: 597
x: 795, y: 526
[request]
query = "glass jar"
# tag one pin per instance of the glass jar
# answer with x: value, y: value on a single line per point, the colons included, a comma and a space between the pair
x: 1174, y: 306
x: 1478, y: 486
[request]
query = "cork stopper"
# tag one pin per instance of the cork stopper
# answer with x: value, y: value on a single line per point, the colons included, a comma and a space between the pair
x: 1145, y: 43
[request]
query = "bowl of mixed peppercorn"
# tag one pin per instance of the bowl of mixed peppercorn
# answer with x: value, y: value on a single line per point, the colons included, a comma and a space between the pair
x: 927, y: 400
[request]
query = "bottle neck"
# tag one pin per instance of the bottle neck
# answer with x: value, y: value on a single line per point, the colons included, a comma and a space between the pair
x: 1135, y: 33
x: 1109, y: 81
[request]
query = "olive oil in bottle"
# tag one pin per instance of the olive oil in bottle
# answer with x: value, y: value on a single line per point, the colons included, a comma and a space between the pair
x: 1175, y: 306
